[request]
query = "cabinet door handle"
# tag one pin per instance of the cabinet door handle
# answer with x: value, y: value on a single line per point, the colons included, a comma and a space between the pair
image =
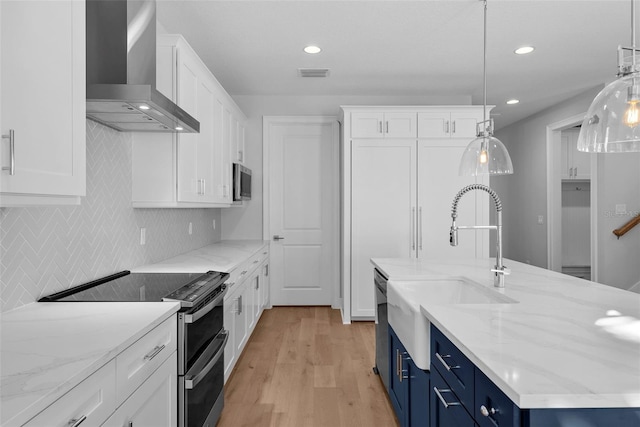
x: 204, y: 187
x: 420, y: 228
x: 386, y: 124
x: 76, y: 421
x: 444, y: 402
x: 445, y: 364
x: 266, y: 270
x: 413, y: 231
x: 398, y: 362
x: 239, y: 304
x: 12, y: 153
x: 487, y: 412
x: 277, y: 237
x: 379, y: 126
x: 257, y: 282
x: 153, y: 353
x: 575, y: 172
x: 453, y: 126
x: 446, y: 126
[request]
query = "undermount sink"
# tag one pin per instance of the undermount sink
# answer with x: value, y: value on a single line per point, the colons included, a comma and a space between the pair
x: 404, y: 299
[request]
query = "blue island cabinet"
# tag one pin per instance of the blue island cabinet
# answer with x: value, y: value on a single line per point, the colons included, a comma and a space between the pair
x: 408, y: 386
x: 463, y: 396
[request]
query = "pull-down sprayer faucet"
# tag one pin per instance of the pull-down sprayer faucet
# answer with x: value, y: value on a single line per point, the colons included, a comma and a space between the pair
x: 500, y: 270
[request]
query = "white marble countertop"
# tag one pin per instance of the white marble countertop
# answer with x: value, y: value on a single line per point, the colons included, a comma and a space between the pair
x: 49, y: 348
x: 567, y: 343
x: 221, y: 256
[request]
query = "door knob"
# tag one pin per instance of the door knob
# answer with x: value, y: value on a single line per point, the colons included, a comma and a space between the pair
x: 276, y: 237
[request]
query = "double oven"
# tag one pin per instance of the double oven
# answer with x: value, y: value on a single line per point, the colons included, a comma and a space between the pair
x: 201, y: 334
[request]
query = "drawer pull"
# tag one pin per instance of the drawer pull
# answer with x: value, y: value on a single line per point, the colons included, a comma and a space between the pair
x: 487, y: 412
x: 446, y: 365
x: 12, y: 153
x: 243, y: 273
x: 77, y: 421
x: 153, y: 353
x: 444, y: 402
x: 256, y: 261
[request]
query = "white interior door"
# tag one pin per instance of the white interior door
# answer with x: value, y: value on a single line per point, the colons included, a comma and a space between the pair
x: 301, y: 208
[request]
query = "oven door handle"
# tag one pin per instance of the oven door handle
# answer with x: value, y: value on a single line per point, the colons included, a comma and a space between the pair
x: 191, y: 381
x: 191, y: 318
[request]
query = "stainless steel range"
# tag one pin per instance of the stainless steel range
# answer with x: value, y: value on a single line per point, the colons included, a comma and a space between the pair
x: 201, y: 333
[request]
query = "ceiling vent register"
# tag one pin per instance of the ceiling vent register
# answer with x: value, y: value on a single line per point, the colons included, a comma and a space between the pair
x: 313, y: 72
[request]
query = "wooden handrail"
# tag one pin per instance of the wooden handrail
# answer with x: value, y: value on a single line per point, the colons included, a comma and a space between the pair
x: 628, y: 226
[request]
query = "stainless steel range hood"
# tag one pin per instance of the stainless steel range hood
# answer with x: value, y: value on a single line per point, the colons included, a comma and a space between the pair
x: 121, y: 70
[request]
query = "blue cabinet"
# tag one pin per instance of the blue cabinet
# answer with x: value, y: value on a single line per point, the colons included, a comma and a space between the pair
x: 408, y: 386
x: 463, y: 396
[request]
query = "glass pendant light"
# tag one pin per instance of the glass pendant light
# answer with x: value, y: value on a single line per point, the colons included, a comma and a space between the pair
x: 612, y: 122
x: 485, y: 155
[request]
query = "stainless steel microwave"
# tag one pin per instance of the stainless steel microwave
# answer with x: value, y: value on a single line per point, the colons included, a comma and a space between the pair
x: 241, y: 182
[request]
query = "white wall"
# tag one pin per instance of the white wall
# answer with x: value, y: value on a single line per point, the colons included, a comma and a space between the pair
x: 618, y: 183
x: 524, y: 196
x: 246, y: 222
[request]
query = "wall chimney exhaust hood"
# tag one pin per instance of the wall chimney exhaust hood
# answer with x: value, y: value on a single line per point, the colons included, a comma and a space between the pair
x: 121, y: 70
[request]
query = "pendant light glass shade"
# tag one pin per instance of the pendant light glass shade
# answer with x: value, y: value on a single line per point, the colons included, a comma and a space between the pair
x: 486, y: 155
x: 612, y: 124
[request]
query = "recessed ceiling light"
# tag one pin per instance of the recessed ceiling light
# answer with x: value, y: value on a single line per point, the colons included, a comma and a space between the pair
x: 179, y: 128
x: 513, y: 101
x: 312, y: 49
x: 524, y: 50
x: 144, y: 107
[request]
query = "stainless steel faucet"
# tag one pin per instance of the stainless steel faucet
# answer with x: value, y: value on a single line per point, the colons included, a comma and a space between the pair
x: 500, y: 270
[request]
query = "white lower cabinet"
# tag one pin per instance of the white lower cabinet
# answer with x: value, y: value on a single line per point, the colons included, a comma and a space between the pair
x: 137, y: 388
x: 90, y: 402
x: 154, y: 403
x: 244, y: 304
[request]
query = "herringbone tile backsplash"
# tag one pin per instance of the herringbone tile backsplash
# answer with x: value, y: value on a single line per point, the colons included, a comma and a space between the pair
x: 44, y: 250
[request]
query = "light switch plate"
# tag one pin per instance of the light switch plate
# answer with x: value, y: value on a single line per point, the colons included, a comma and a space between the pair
x: 540, y: 219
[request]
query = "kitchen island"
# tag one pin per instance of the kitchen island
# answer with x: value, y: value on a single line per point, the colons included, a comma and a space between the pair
x: 561, y: 342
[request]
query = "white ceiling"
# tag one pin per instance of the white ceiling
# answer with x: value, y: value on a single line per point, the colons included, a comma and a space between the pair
x: 407, y: 48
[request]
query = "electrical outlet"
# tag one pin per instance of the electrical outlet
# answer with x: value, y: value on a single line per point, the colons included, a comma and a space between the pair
x: 143, y: 236
x: 214, y: 224
x: 190, y: 228
x: 621, y: 209
x: 540, y: 219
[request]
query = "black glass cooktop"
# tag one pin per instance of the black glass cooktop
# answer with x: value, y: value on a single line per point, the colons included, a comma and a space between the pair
x: 144, y: 287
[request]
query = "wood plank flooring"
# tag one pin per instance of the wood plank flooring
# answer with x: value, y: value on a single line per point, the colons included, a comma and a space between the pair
x: 303, y: 367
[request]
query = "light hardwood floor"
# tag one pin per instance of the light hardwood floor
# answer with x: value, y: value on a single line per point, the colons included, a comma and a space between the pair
x: 303, y: 367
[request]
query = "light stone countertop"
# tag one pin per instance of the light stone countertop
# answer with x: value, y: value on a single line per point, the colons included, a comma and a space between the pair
x: 222, y: 256
x: 49, y: 348
x: 567, y: 343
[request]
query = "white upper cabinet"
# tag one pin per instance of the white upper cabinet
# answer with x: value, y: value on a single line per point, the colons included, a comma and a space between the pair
x: 374, y: 124
x: 188, y: 170
x: 575, y: 164
x: 42, y: 103
x: 460, y: 123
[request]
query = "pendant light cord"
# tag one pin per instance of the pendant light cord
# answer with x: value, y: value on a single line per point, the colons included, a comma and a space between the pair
x: 484, y: 70
x: 633, y: 36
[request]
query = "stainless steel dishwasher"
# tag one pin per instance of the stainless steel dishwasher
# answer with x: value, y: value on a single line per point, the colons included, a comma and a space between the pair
x: 382, y: 328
